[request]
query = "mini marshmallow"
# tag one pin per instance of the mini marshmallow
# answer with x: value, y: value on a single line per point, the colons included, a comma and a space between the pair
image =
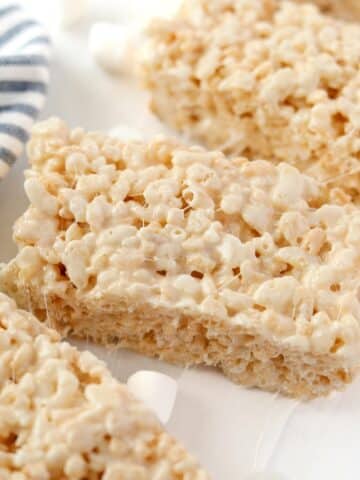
x: 113, y: 45
x: 125, y: 133
x: 57, y: 14
x: 157, y: 390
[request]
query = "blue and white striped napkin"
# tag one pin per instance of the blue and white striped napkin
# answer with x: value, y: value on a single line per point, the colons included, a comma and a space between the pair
x: 24, y: 77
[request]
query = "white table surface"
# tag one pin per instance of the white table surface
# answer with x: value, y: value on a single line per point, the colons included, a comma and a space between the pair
x: 235, y: 432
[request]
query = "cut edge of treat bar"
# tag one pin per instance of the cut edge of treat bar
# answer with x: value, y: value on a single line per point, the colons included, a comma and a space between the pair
x: 184, y: 338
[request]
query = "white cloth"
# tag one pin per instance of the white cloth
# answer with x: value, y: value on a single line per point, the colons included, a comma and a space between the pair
x: 24, y: 77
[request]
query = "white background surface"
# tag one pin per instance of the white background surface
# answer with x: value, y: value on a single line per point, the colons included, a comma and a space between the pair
x: 235, y: 432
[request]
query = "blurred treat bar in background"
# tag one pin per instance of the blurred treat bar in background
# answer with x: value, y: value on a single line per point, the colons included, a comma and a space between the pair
x: 264, y: 79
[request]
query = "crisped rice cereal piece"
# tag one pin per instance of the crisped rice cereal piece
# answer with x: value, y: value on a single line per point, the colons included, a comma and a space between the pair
x: 263, y: 78
x: 186, y: 255
x: 345, y: 9
x: 63, y: 416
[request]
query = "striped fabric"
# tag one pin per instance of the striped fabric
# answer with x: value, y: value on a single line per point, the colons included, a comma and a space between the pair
x: 24, y: 76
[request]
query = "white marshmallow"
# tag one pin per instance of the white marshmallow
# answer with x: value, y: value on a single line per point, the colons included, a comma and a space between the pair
x: 113, y: 45
x: 157, y: 390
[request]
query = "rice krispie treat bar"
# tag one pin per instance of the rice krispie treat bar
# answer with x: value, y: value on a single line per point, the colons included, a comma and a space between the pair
x: 263, y: 78
x: 62, y: 415
x: 183, y: 254
x: 346, y: 9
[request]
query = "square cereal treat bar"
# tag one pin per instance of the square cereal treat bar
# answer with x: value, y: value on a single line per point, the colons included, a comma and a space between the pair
x: 183, y: 254
x: 346, y: 9
x: 62, y: 415
x: 263, y: 78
